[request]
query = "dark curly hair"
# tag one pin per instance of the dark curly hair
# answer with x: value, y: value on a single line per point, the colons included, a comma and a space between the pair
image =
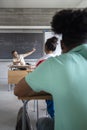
x: 13, y: 52
x: 72, y: 24
x: 51, y: 44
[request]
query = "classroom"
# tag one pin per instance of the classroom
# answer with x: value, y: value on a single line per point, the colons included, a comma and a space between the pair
x: 24, y: 25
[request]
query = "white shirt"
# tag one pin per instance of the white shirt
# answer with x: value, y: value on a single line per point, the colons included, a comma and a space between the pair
x: 21, y: 59
x: 46, y: 56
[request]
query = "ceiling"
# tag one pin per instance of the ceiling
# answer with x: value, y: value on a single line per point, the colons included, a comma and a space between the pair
x: 43, y: 3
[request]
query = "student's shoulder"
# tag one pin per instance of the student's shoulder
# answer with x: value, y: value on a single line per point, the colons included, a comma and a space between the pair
x: 39, y: 62
x: 63, y: 58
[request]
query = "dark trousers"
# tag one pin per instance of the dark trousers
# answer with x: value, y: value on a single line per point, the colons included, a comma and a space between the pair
x: 45, y: 123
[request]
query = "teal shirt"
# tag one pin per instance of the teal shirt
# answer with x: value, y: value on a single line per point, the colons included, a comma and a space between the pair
x: 65, y: 77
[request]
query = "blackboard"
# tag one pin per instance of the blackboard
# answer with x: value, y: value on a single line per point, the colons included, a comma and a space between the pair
x: 21, y: 42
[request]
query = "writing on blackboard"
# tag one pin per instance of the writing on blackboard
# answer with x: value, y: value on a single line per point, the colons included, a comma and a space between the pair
x: 22, y: 42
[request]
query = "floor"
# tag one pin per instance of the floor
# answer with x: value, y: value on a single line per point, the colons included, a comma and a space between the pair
x: 9, y: 106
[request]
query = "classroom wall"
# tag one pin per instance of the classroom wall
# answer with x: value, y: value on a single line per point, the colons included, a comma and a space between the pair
x: 31, y: 13
x: 22, y: 17
x: 26, y: 17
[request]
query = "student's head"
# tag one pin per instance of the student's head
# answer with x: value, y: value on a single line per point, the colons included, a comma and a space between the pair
x: 51, y: 44
x: 72, y: 24
x: 14, y: 53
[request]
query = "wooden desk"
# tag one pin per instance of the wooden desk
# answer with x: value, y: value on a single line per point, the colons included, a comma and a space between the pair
x: 14, y: 76
x: 25, y: 101
x: 41, y: 97
x: 19, y: 66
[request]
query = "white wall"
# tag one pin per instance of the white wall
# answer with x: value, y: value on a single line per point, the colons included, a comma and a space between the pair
x: 42, y: 3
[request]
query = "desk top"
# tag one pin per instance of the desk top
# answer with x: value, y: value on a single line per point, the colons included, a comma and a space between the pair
x: 40, y: 97
x: 19, y: 66
x: 28, y: 67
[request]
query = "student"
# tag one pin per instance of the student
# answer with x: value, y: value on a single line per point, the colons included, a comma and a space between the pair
x: 18, y: 59
x: 63, y: 76
x: 50, y: 47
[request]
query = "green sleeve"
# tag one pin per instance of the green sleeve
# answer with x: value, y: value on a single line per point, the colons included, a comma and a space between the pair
x: 40, y: 78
